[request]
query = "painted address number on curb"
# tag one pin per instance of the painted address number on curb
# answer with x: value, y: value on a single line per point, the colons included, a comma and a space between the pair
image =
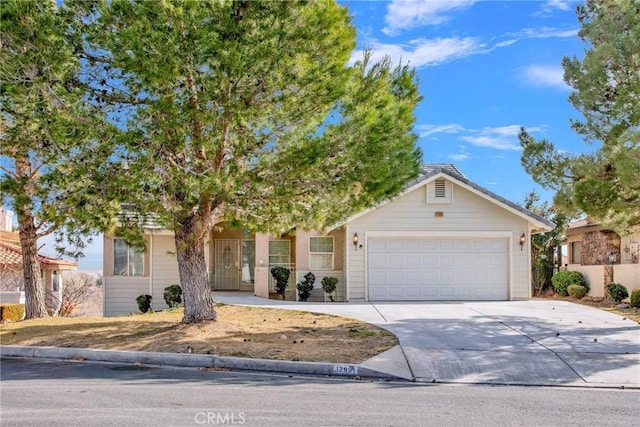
x: 345, y: 370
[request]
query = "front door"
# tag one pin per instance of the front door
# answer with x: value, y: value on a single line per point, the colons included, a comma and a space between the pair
x: 227, y: 265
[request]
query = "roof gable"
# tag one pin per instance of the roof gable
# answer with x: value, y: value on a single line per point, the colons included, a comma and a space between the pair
x: 431, y: 172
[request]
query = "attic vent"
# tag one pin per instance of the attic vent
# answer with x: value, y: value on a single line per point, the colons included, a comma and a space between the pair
x: 440, y: 189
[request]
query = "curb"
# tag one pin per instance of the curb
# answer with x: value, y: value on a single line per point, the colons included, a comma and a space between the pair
x: 353, y: 371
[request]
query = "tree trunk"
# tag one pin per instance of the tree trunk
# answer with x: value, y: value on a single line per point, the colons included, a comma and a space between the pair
x: 198, y: 304
x: 33, y: 287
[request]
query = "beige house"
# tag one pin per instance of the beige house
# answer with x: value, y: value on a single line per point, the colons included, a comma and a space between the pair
x: 442, y: 238
x: 591, y: 248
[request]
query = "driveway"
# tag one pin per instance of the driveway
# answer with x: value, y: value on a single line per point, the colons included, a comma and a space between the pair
x: 537, y: 342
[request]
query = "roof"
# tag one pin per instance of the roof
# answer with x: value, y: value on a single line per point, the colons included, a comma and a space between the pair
x: 431, y: 171
x: 11, y: 256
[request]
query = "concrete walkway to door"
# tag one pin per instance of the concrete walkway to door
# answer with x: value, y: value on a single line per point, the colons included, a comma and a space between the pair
x: 536, y: 342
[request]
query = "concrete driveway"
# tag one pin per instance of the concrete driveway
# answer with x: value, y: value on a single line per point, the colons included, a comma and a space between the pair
x: 537, y: 342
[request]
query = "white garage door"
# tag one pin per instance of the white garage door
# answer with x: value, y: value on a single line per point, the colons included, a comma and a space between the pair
x: 437, y: 269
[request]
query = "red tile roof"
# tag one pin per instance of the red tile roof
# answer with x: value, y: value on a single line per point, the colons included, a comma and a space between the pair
x: 11, y: 256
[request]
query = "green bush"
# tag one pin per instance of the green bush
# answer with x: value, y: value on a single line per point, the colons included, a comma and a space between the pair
x: 281, y: 276
x: 12, y: 312
x: 306, y: 286
x: 576, y: 291
x: 634, y: 301
x: 144, y: 303
x: 562, y: 280
x: 173, y: 295
x: 329, y: 285
x: 617, y: 291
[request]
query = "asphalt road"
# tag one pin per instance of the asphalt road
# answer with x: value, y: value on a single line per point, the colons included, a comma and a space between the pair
x: 37, y: 392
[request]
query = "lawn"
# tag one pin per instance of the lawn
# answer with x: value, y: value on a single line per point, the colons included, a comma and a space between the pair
x: 253, y: 332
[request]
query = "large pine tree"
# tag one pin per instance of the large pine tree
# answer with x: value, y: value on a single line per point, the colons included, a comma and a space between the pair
x: 246, y: 112
x: 49, y: 151
x: 604, y: 184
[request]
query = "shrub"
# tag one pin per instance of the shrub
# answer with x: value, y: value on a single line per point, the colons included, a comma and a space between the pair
x: 306, y: 286
x: 634, y: 301
x: 173, y: 295
x: 144, y: 303
x: 281, y: 275
x: 12, y: 312
x: 617, y: 291
x: 563, y: 279
x: 576, y: 291
x: 329, y: 285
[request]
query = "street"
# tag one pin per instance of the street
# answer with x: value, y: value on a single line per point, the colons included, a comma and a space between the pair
x: 37, y: 392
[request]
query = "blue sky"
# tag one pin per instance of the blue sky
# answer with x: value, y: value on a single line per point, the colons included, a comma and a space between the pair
x: 485, y: 68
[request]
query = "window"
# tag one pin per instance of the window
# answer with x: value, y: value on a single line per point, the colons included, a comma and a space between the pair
x: 127, y: 260
x: 321, y: 253
x: 576, y: 252
x: 279, y: 252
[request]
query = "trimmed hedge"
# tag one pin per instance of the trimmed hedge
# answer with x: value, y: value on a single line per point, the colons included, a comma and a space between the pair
x: 562, y: 280
x: 144, y: 303
x: 173, y: 295
x: 576, y: 291
x: 634, y: 301
x: 12, y: 312
x: 617, y: 291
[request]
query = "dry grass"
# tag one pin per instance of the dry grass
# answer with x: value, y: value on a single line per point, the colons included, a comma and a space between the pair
x: 253, y: 332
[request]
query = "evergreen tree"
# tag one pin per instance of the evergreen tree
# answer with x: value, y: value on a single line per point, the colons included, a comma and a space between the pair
x: 606, y: 82
x: 246, y: 112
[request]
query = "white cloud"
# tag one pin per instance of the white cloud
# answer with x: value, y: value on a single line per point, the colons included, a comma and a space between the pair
x: 545, y: 75
x: 425, y: 52
x: 548, y: 33
x: 426, y: 130
x: 547, y: 8
x: 404, y: 14
x: 498, y: 137
x: 459, y: 157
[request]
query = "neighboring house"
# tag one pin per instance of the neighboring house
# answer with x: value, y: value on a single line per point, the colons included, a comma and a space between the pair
x: 11, y: 275
x: 589, y: 246
x: 442, y: 238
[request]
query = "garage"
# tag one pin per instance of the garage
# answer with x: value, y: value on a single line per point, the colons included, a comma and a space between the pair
x: 450, y: 269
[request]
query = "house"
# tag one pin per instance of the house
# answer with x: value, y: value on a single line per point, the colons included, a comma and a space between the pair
x: 591, y: 248
x: 443, y: 238
x: 11, y: 274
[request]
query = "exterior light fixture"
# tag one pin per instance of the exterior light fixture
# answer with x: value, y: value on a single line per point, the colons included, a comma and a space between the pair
x: 355, y: 240
x: 523, y: 240
x: 612, y: 257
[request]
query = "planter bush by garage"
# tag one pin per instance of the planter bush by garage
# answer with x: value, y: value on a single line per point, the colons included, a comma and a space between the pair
x: 562, y: 280
x: 634, y: 301
x: 617, y: 292
x: 576, y: 291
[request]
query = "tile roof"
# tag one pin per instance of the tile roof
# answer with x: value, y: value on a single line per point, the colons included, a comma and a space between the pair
x: 11, y: 256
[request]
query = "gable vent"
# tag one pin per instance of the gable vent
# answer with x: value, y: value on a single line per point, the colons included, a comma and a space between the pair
x: 440, y: 189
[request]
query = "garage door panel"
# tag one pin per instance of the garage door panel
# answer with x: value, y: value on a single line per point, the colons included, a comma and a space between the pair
x: 437, y: 269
